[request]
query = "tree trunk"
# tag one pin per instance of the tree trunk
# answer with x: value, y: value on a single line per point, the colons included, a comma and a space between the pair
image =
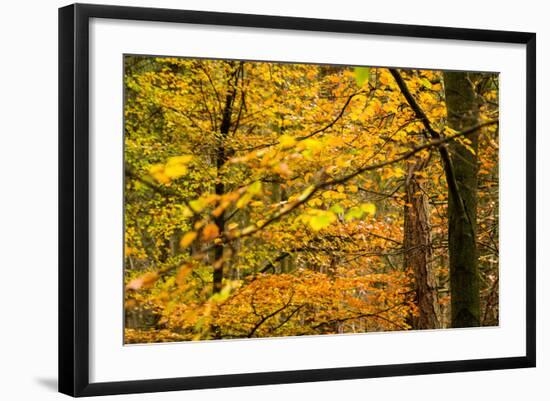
x: 221, y: 158
x: 463, y: 113
x: 418, y: 251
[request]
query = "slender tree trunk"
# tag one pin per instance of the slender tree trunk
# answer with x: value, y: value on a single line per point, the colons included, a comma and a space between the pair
x: 463, y: 112
x: 418, y: 250
x: 221, y: 158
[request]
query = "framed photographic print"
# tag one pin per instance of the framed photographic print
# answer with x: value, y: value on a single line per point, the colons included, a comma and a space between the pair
x: 249, y: 199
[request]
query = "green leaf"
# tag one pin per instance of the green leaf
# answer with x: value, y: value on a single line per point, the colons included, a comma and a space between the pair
x: 322, y: 220
x: 426, y: 83
x: 255, y: 188
x: 244, y: 200
x: 197, y: 205
x: 362, y: 74
x: 354, y: 213
x: 337, y: 208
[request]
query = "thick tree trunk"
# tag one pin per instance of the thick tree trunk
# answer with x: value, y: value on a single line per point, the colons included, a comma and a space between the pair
x: 418, y: 251
x: 463, y: 113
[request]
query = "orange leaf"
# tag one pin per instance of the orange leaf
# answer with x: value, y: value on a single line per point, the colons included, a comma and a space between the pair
x: 182, y: 274
x: 144, y: 281
x: 187, y: 239
x: 210, y: 232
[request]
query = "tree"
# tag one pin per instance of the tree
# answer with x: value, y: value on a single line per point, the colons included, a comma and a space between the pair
x: 221, y: 158
x: 463, y: 112
x: 418, y: 253
x: 268, y: 199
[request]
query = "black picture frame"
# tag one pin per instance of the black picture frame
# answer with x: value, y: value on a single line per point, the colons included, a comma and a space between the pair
x: 74, y: 194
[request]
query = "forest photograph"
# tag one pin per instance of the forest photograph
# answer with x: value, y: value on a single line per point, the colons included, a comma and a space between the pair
x: 270, y: 199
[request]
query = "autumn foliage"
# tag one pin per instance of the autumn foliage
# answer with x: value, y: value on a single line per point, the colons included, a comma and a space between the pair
x: 268, y: 199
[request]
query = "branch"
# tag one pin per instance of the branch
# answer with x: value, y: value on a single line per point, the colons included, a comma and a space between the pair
x: 301, y: 138
x: 265, y: 318
x: 443, y: 151
x: 270, y: 265
x: 365, y: 315
x: 329, y: 125
x: 161, y: 190
x: 312, y: 190
x: 288, y: 318
x: 308, y: 193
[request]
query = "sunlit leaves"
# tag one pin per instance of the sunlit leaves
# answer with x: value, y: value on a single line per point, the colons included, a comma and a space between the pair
x: 144, y: 281
x: 182, y: 275
x: 157, y: 172
x: 362, y: 75
x: 321, y: 219
x: 286, y: 141
x: 210, y: 231
x: 368, y: 208
x: 254, y: 189
x: 187, y: 239
x: 175, y: 167
x: 357, y: 212
x: 312, y: 253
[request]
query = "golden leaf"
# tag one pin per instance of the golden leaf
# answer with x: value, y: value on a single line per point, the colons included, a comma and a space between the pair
x: 210, y: 231
x: 187, y: 239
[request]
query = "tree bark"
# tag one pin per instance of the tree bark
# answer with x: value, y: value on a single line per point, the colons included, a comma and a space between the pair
x: 463, y: 112
x: 418, y: 250
x: 221, y: 159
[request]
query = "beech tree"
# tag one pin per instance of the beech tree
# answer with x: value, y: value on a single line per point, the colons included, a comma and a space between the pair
x: 271, y: 199
x: 462, y: 112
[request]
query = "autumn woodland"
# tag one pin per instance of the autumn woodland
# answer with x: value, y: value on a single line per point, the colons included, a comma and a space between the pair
x: 267, y: 199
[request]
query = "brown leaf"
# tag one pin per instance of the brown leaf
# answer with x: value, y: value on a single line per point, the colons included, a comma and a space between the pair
x: 144, y: 281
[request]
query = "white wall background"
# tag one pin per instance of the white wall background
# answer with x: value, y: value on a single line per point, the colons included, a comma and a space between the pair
x: 28, y: 200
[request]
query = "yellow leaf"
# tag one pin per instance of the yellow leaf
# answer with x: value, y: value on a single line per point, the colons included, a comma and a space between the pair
x: 175, y: 167
x: 243, y: 201
x: 369, y: 208
x: 322, y: 220
x: 232, y: 226
x: 187, y: 239
x: 179, y: 160
x: 197, y: 204
x: 158, y: 173
x: 396, y: 172
x: 315, y: 202
x: 175, y: 170
x: 312, y: 145
x: 156, y: 168
x: 286, y: 141
x: 385, y: 78
x: 469, y: 148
